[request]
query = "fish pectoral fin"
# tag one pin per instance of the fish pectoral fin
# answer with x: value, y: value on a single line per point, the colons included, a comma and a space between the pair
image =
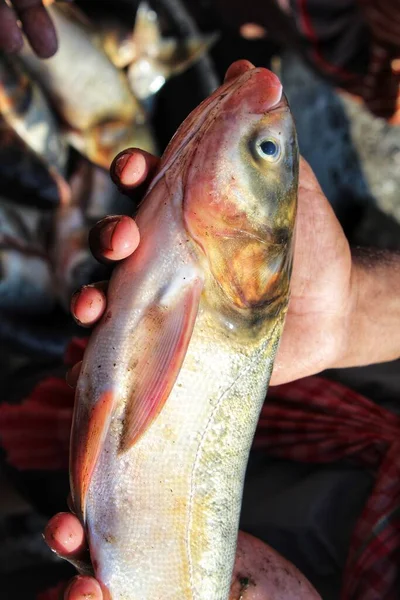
x: 166, y: 329
x: 87, y: 437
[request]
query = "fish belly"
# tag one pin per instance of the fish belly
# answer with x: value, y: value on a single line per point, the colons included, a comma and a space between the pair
x: 163, y: 517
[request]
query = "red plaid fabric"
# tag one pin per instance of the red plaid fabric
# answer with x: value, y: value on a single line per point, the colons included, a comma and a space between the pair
x: 35, y: 434
x: 319, y: 421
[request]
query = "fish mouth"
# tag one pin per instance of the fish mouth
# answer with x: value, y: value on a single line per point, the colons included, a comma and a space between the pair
x: 205, y: 111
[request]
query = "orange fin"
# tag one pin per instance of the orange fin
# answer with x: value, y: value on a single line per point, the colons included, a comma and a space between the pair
x: 167, y: 330
x: 86, y: 443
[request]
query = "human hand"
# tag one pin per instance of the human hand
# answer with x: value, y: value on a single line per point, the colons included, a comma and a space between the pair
x: 36, y: 24
x: 315, y: 333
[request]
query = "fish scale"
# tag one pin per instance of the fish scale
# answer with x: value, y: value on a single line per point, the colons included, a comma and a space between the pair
x: 175, y: 374
x: 198, y: 436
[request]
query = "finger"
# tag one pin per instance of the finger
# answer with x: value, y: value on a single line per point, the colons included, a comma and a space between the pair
x: 10, y: 34
x: 114, y: 238
x: 83, y: 587
x: 132, y: 168
x: 89, y: 303
x: 237, y: 68
x: 64, y: 535
x: 37, y: 26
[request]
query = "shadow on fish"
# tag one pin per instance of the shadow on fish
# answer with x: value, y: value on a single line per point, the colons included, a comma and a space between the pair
x: 176, y: 372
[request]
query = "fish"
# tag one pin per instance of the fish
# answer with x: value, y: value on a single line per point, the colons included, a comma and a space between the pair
x: 73, y: 263
x: 90, y: 94
x: 153, y: 59
x: 24, y: 178
x: 176, y: 372
x: 103, y: 197
x: 25, y: 109
x: 26, y: 282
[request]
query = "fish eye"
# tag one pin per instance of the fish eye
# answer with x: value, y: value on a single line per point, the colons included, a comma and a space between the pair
x: 268, y: 149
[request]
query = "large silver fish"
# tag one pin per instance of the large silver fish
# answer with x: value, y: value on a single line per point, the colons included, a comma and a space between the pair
x: 175, y: 374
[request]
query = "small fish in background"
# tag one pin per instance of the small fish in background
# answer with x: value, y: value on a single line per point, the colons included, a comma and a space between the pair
x: 25, y: 109
x: 26, y: 280
x: 24, y: 178
x: 153, y: 59
x: 72, y: 261
x: 90, y: 94
x: 102, y: 143
x: 94, y: 196
x: 103, y: 198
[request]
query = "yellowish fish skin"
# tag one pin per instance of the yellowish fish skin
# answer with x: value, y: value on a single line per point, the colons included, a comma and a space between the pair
x: 161, y: 513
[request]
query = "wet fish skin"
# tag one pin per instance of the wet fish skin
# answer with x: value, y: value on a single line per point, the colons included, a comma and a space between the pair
x: 91, y: 95
x: 24, y: 178
x: 25, y: 109
x: 155, y: 59
x: 73, y: 263
x: 176, y: 373
x: 84, y: 85
x: 26, y: 282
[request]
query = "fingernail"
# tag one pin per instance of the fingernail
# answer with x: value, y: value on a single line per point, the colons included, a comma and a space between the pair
x: 106, y: 235
x: 118, y: 166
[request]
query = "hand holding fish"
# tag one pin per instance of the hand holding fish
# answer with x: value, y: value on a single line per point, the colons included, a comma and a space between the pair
x: 330, y: 316
x: 321, y: 296
x: 325, y: 301
x: 259, y: 571
x: 35, y: 22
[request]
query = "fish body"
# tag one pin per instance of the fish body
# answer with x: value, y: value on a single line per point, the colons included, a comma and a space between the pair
x: 26, y: 282
x: 85, y: 86
x: 175, y: 374
x: 73, y: 263
x: 154, y: 59
x: 24, y: 178
x: 91, y: 95
x: 26, y: 111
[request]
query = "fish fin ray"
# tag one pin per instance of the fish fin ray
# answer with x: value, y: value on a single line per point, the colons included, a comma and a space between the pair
x: 86, y: 443
x: 168, y: 330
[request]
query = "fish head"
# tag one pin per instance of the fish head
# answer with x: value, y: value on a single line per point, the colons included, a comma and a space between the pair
x: 240, y: 192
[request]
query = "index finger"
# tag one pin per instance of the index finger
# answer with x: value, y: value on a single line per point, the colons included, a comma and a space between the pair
x: 38, y: 26
x: 132, y: 169
x: 10, y: 34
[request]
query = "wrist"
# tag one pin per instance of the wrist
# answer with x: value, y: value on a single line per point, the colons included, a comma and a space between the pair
x: 348, y: 354
x: 372, y: 322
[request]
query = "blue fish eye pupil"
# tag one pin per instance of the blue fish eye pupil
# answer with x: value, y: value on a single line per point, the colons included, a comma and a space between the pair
x: 268, y: 148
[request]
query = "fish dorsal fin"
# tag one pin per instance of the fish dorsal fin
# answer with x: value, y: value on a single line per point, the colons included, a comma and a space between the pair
x: 163, y: 336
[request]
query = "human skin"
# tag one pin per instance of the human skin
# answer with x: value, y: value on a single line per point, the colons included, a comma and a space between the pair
x: 36, y: 25
x: 344, y: 311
